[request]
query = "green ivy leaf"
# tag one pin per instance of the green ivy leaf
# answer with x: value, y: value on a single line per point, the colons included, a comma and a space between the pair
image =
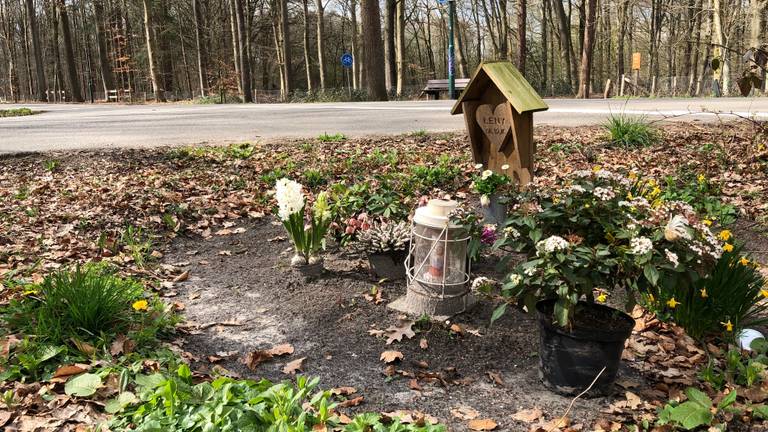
x: 83, y: 385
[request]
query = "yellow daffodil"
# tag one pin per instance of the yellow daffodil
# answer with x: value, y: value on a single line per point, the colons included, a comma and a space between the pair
x: 672, y: 303
x: 728, y: 247
x: 597, y: 168
x: 764, y: 292
x: 632, y: 175
x: 140, y: 305
x: 760, y: 147
x: 703, y: 292
x: 728, y: 325
x: 707, y: 222
x: 701, y: 178
x: 725, y: 235
x: 651, y: 298
x: 744, y: 261
x: 629, y: 196
x: 602, y: 298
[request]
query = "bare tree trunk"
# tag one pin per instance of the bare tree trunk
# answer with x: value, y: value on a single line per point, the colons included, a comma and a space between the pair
x: 8, y: 37
x: 373, y: 50
x: 400, y: 46
x: 69, y: 54
x: 286, y: 37
x: 307, y: 58
x: 244, y: 58
x: 720, y: 48
x: 236, y: 48
x: 107, y: 78
x: 202, y: 62
x: 151, y: 57
x: 42, y: 85
x: 756, y: 12
x: 522, y: 12
x: 585, y: 74
x: 569, y: 59
x: 461, y: 59
x: 321, y: 41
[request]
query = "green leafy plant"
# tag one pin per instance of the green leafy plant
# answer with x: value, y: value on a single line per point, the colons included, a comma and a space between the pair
x: 702, y: 194
x: 51, y: 165
x: 631, y: 131
x: 699, y: 410
x: 314, y: 178
x: 174, y: 402
x: 738, y: 367
x: 327, y: 138
x: 440, y: 175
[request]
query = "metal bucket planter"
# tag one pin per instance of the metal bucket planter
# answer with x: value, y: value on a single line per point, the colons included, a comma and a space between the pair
x: 570, y: 360
x: 495, y: 212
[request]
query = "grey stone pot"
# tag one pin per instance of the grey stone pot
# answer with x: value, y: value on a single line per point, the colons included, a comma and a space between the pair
x: 388, y: 265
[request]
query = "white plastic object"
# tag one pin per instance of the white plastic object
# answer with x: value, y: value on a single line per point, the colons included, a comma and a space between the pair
x: 747, y: 336
x: 435, y: 214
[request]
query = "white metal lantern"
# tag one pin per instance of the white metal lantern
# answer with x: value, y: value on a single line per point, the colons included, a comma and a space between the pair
x: 437, y: 266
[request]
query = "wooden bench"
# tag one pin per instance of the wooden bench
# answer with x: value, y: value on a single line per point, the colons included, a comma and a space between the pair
x: 435, y: 87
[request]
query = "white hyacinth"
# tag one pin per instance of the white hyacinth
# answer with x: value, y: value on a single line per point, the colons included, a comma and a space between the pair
x: 604, y: 194
x: 641, y: 245
x: 672, y: 257
x: 552, y: 244
x: 290, y: 199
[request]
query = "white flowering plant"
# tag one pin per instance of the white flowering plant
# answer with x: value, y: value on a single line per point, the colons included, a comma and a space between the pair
x: 307, y: 230
x: 488, y: 183
x: 598, y: 232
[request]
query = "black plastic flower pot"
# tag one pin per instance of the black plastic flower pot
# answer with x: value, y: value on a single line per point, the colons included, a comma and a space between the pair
x: 570, y: 360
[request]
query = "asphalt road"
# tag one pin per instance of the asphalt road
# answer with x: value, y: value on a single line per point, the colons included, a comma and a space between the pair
x: 65, y: 127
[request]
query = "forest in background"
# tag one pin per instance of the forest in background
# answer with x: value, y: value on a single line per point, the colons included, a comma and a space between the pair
x: 271, y: 50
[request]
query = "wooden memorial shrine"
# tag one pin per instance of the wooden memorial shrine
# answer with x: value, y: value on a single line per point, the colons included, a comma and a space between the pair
x: 498, y: 106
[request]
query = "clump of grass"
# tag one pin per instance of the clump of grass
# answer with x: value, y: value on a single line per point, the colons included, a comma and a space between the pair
x: 17, y: 112
x: 629, y: 131
x: 325, y: 137
x: 51, y: 165
x: 80, y: 304
x: 420, y: 133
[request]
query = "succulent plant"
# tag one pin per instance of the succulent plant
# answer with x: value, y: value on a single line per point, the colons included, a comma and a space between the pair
x: 384, y: 237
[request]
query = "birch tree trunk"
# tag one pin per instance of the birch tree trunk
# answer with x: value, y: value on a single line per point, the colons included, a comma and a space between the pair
x: 390, y: 61
x: 720, y: 48
x: 151, y: 52
x: 245, y: 61
x: 355, y: 45
x: 307, y: 59
x: 321, y: 41
x: 400, y: 46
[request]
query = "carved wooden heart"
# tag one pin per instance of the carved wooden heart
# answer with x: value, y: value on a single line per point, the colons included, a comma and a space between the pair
x: 494, y: 123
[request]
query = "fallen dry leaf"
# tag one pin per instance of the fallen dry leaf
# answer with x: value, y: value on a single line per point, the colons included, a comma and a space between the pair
x: 391, y: 356
x: 182, y: 277
x: 351, y: 402
x: 69, y: 370
x: 465, y: 413
x: 122, y: 345
x: 482, y: 425
x: 294, y: 366
x: 528, y: 415
x: 343, y: 391
x: 423, y: 344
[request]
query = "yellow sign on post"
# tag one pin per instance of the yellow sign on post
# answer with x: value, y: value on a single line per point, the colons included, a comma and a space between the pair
x: 636, y: 61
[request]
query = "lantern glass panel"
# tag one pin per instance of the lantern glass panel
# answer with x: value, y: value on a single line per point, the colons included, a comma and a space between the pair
x: 439, y: 256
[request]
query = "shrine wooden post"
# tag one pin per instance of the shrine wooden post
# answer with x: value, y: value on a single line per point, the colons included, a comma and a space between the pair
x: 498, y: 106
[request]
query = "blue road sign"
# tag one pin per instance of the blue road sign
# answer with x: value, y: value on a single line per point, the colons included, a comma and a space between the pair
x: 347, y: 60
x: 442, y: 2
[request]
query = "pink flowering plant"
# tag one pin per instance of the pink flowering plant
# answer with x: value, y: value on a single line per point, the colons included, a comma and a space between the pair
x: 599, y: 232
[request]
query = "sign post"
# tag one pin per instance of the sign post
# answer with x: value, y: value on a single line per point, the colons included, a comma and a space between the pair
x: 346, y: 62
x: 451, y: 54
